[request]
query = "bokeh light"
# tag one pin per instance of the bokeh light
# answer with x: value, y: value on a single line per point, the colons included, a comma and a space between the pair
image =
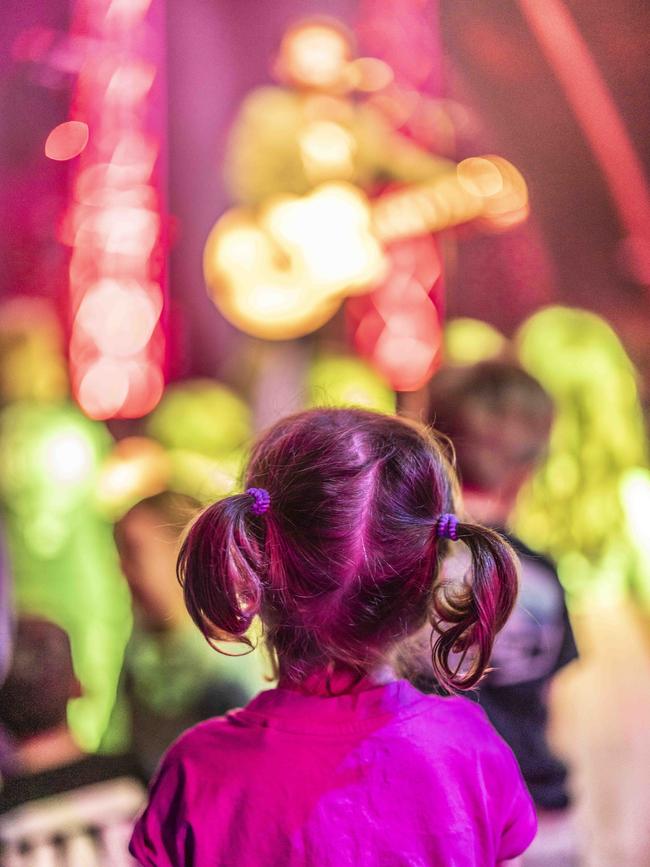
x: 67, y: 140
x: 62, y: 552
x: 480, y: 176
x: 315, y: 53
x: 216, y: 421
x: 468, y: 341
x: 137, y: 468
x: 32, y: 363
x: 397, y: 327
x: 206, y: 453
x: 114, y: 222
x: 341, y: 380
x: 119, y: 316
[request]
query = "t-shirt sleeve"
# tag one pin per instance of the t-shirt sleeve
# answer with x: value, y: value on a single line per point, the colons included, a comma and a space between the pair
x: 519, y: 824
x: 569, y: 649
x: 162, y: 836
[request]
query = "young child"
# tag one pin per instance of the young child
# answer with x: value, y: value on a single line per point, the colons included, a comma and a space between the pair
x: 336, y: 546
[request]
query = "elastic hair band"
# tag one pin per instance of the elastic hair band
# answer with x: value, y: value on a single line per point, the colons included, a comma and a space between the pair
x: 447, y: 527
x: 261, y: 500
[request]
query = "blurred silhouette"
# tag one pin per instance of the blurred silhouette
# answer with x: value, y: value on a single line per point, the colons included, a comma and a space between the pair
x: 499, y: 419
x: 59, y: 805
x: 171, y: 678
x: 5, y: 610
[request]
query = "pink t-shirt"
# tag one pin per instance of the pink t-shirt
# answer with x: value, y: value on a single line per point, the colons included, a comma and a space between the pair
x: 381, y: 777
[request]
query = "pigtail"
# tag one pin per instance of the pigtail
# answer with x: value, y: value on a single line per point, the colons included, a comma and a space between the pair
x: 219, y: 567
x: 467, y: 619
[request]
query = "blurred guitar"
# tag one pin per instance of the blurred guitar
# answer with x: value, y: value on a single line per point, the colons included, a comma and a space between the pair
x: 282, y: 271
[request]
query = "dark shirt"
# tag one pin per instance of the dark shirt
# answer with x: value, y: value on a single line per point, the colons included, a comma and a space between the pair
x: 536, y: 642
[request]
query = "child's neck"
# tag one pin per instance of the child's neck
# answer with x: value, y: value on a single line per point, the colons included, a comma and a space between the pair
x: 340, y: 681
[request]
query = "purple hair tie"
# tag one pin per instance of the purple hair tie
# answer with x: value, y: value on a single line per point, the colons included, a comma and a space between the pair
x: 261, y: 500
x: 447, y: 527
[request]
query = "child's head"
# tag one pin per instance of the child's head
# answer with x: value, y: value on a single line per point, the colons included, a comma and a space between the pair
x: 345, y: 562
x: 499, y: 419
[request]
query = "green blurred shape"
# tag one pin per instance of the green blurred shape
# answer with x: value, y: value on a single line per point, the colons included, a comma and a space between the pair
x: 62, y: 552
x: 203, y: 478
x: 574, y: 507
x: 468, y: 341
x: 201, y: 416
x: 342, y: 380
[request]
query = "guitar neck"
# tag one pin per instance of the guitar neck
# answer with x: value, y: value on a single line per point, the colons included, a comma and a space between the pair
x: 451, y: 199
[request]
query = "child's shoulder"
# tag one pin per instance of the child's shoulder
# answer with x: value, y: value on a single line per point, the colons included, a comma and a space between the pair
x: 458, y: 711
x: 196, y: 744
x: 463, y: 722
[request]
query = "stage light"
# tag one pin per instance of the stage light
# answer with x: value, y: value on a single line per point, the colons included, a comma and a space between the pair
x: 67, y: 140
x: 130, y: 83
x: 126, y: 13
x: 49, y: 454
x: 32, y: 366
x: 67, y: 456
x: 510, y: 205
x: 408, y: 362
x: 146, y: 386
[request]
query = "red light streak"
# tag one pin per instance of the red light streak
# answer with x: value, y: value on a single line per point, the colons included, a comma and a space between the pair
x: 593, y: 105
x: 114, y: 222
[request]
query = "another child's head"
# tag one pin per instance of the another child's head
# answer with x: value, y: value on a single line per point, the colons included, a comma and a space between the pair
x: 41, y: 680
x: 148, y: 539
x: 345, y: 562
x: 498, y: 419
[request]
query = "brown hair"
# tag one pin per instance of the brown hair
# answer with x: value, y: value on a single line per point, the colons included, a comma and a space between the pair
x: 34, y: 697
x: 477, y: 406
x: 345, y: 564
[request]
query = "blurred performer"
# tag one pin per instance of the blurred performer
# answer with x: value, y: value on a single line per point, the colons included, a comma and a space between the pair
x: 314, y: 128
x: 60, y: 805
x: 171, y: 679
